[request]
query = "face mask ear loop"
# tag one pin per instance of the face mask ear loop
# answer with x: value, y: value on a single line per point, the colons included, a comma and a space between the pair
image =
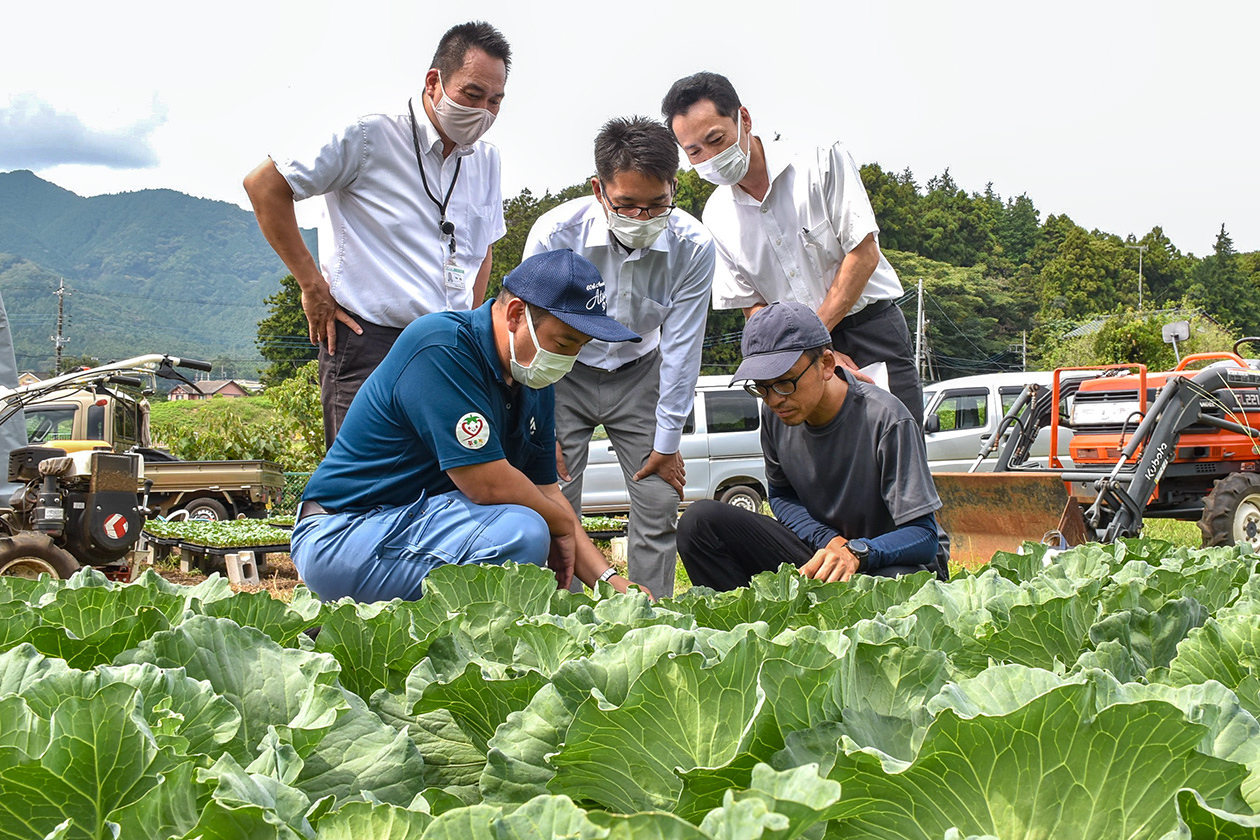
x: 512, y: 340
x: 533, y: 336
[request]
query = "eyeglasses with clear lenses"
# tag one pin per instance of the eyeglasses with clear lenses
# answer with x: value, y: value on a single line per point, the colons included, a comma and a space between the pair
x: 782, y: 387
x: 631, y: 211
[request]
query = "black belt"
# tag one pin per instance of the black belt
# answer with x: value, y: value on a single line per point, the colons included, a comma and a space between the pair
x: 626, y: 366
x: 310, y: 508
x: 867, y: 313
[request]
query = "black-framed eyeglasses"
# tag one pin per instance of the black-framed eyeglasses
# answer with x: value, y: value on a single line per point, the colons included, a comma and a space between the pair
x: 782, y: 387
x: 631, y: 211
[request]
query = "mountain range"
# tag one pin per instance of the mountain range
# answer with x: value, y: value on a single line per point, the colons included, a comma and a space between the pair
x: 154, y: 271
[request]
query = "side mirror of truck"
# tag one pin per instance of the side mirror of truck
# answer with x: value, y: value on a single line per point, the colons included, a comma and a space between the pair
x: 932, y: 424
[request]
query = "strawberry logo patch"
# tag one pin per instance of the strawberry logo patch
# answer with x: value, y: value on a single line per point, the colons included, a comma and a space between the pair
x: 472, y: 431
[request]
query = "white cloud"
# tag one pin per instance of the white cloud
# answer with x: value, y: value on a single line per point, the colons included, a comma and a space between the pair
x: 34, y: 135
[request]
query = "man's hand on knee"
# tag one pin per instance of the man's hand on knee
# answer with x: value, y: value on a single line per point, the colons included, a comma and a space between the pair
x: 669, y: 467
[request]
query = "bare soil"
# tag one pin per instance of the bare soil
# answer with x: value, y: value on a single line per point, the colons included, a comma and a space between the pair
x: 280, y: 578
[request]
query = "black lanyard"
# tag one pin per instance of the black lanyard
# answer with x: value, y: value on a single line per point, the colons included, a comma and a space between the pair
x: 447, y: 228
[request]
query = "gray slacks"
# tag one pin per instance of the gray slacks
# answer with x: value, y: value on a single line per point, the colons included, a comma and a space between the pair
x: 624, y: 401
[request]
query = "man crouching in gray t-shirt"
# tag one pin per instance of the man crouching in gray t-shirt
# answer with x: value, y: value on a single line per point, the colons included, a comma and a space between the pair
x: 846, y: 465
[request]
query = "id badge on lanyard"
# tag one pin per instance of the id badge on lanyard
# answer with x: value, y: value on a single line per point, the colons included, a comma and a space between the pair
x: 454, y: 274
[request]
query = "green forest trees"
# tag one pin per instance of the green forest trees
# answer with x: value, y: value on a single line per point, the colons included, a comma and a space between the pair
x: 283, y: 338
x: 1220, y: 287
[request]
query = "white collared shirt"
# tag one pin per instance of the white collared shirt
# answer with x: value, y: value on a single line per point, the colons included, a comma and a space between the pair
x: 661, y: 292
x: 379, y: 244
x: 789, y: 246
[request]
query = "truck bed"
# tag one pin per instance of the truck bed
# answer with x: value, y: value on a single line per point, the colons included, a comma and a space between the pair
x: 170, y: 476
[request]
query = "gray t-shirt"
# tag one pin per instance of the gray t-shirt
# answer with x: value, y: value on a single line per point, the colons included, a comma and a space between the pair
x: 864, y: 473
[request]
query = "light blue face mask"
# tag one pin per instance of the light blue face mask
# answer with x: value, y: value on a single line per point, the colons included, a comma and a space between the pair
x: 547, y: 368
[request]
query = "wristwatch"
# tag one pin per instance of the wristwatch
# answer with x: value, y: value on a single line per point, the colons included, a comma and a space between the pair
x: 609, y: 572
x: 860, y: 549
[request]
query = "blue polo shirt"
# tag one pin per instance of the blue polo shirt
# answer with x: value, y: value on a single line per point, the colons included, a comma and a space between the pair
x: 437, y: 401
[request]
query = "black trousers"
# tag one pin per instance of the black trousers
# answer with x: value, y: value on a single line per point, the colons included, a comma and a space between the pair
x: 879, y: 333
x: 723, y: 546
x: 341, y: 375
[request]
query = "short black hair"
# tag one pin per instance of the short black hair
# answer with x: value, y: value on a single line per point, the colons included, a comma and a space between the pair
x: 636, y: 144
x: 703, y: 85
x: 537, y: 313
x: 459, y: 39
x: 816, y: 353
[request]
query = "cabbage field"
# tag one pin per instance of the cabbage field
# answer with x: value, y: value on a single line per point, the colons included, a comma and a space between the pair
x: 1105, y: 692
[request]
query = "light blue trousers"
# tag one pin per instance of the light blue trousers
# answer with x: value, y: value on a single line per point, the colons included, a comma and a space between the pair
x: 387, y: 552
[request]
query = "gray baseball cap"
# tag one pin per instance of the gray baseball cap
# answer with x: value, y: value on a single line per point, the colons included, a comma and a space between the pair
x: 775, y: 337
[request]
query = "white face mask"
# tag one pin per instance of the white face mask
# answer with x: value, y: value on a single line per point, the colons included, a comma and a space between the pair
x: 547, y: 368
x: 728, y: 166
x: 461, y: 124
x: 636, y: 233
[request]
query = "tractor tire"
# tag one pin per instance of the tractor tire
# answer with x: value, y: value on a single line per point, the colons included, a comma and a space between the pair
x: 28, y: 554
x: 210, y: 510
x: 742, y: 496
x: 1231, y: 512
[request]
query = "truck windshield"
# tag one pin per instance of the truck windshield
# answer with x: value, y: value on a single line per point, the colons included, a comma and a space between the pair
x: 47, y: 423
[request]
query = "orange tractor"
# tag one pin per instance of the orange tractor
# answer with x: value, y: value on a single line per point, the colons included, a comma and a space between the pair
x: 1180, y: 444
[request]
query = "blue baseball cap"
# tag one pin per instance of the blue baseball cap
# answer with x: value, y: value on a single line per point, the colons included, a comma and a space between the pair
x: 570, y: 287
x: 774, y: 339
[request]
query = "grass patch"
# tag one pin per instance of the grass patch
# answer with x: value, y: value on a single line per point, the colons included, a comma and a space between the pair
x: 1175, y: 531
x: 177, y: 413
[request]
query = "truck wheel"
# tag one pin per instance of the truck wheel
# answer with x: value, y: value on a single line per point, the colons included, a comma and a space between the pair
x: 209, y: 509
x: 28, y: 555
x: 1231, y: 512
x: 742, y: 496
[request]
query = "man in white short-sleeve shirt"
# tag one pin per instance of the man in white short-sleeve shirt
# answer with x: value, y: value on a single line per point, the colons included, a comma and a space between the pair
x: 793, y: 225
x: 413, y: 209
x: 657, y: 264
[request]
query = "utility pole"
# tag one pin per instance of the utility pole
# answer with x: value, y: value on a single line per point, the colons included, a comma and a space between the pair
x: 920, y: 338
x: 1141, y: 249
x: 59, y: 340
x: 919, y: 331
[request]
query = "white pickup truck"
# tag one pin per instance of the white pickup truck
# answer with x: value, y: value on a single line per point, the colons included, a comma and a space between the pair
x: 721, y: 445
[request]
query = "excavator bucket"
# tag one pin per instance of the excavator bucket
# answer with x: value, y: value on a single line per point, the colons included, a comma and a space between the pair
x: 988, y: 512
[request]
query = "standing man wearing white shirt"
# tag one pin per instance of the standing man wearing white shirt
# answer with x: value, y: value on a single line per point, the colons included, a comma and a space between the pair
x: 793, y: 227
x: 657, y: 264
x: 414, y: 207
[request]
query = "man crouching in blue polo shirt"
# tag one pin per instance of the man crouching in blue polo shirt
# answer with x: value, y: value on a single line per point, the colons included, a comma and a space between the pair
x: 448, y: 452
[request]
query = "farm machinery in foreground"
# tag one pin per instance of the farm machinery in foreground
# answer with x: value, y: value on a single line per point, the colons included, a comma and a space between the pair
x: 80, y: 503
x: 1182, y: 444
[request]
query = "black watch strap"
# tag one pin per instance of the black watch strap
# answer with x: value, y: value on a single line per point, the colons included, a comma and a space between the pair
x: 860, y: 549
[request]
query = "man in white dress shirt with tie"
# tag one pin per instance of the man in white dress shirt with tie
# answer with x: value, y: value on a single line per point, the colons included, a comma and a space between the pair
x: 657, y: 264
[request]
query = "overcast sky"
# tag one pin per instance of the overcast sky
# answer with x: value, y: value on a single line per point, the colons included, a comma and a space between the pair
x: 1123, y: 115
